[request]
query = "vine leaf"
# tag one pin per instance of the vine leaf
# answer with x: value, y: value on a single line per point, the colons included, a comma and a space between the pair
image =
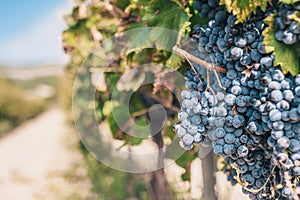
x: 174, y: 61
x: 165, y: 14
x: 185, y: 161
x: 168, y: 130
x: 296, y: 16
x: 135, y: 130
x: 287, y: 56
x: 172, y: 17
x: 138, y: 40
x: 289, y: 1
x: 243, y: 9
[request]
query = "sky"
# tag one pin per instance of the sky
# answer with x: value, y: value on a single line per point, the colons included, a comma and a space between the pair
x: 29, y: 32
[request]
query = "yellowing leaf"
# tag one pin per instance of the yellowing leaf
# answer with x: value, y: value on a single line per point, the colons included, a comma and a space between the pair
x: 243, y: 8
x: 287, y: 56
x: 295, y: 16
x: 289, y: 1
x: 174, y: 61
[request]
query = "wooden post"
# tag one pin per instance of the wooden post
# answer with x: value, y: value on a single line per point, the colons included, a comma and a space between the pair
x: 209, y: 180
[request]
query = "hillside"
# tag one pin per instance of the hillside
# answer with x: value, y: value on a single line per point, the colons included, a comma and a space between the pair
x: 26, y: 73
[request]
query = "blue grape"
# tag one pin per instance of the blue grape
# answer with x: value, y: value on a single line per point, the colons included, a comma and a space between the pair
x: 242, y: 151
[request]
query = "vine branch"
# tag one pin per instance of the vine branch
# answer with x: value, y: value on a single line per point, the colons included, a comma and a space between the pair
x: 199, y: 61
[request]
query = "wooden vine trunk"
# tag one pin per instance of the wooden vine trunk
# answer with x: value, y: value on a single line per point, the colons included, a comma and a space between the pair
x: 158, y: 187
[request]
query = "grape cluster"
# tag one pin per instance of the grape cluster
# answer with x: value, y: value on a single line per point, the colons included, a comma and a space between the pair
x: 210, y: 9
x: 255, y: 124
x: 200, y: 109
x: 287, y: 29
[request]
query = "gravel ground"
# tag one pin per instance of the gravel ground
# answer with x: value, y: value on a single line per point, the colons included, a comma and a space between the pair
x: 37, y: 161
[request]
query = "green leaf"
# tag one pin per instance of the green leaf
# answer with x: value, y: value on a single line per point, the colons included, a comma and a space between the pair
x: 135, y: 129
x: 287, y: 56
x: 243, y: 8
x: 168, y: 129
x: 174, y: 61
x: 158, y: 38
x: 185, y: 161
x: 111, y: 80
x: 289, y: 1
x: 134, y: 141
x: 186, y: 176
x: 138, y: 41
x: 165, y: 14
x: 112, y: 125
x: 139, y: 132
x: 170, y: 20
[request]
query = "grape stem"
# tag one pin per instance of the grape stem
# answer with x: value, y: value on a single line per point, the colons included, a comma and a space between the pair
x: 208, y: 83
x: 195, y: 71
x: 245, y: 185
x: 288, y: 184
x: 219, y: 81
x: 199, y: 61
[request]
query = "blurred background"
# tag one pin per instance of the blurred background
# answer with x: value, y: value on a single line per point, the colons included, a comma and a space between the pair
x: 40, y: 153
x: 41, y: 156
x: 31, y: 58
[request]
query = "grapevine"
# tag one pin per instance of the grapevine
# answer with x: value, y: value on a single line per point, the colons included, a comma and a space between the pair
x: 242, y: 84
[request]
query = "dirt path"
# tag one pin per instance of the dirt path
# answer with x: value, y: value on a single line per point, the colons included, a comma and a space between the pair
x: 39, y: 160
x: 36, y: 158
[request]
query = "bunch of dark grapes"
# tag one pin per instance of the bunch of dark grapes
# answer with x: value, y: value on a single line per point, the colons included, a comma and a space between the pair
x: 255, y: 124
x: 287, y: 29
x: 209, y: 9
x: 200, y: 109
